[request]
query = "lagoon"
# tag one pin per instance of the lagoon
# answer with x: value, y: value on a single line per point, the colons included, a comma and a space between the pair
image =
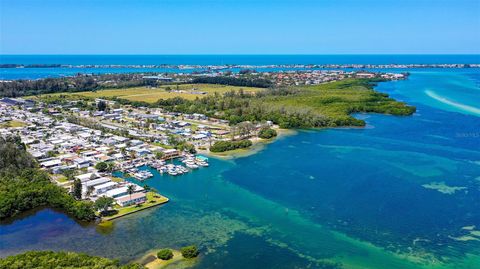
x: 332, y: 198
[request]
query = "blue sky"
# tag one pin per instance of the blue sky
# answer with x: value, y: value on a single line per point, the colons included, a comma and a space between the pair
x: 239, y: 27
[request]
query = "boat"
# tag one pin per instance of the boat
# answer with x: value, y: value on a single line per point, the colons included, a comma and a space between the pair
x: 191, y: 165
x: 142, y: 175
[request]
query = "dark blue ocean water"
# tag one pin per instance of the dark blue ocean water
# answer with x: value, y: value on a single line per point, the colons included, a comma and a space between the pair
x: 403, y: 192
x: 236, y: 59
x: 35, y: 73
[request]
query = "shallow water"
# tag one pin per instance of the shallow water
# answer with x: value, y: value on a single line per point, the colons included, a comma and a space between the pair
x: 404, y: 192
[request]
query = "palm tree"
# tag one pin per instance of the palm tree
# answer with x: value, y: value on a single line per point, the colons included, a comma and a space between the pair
x: 110, y: 166
x: 90, y: 190
x: 146, y: 187
x: 131, y: 190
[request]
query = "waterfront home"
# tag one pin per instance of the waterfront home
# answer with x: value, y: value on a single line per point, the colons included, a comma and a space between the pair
x: 117, y: 192
x: 136, y: 198
x: 170, y: 153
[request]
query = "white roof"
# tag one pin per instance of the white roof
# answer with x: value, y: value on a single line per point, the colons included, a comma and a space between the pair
x: 120, y: 138
x: 96, y: 182
x: 116, y: 191
x: 199, y: 136
x: 105, y: 185
x: 51, y: 163
x: 85, y: 177
x: 80, y: 160
x: 127, y: 198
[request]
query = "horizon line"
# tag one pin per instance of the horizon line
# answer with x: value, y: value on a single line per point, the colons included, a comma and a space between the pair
x: 248, y: 54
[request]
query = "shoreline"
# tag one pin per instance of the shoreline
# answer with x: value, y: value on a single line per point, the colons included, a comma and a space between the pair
x: 258, y: 144
x: 144, y: 206
x: 150, y: 260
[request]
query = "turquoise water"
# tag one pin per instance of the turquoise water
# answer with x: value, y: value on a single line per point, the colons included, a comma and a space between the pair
x: 404, y: 192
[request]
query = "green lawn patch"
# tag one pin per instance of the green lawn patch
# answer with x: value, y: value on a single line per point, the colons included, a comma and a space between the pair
x: 153, y: 199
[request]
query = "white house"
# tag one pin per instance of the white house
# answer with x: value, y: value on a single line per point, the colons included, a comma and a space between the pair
x: 136, y: 198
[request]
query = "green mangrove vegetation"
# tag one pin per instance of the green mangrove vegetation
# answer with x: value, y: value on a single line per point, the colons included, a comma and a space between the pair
x: 222, y: 146
x: 325, y: 105
x: 50, y: 259
x: 189, y: 252
x: 165, y: 254
x: 267, y: 133
x: 23, y: 186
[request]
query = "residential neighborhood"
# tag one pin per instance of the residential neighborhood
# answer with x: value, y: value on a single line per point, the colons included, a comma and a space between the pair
x: 100, y: 159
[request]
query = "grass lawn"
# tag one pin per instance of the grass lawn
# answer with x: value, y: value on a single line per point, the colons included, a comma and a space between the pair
x: 152, y: 95
x: 12, y: 124
x: 60, y: 178
x: 117, y: 179
x: 153, y: 199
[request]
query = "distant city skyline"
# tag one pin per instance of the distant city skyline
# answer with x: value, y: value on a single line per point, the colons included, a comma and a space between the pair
x: 239, y: 27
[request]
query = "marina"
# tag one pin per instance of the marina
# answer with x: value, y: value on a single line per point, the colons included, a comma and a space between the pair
x: 173, y: 167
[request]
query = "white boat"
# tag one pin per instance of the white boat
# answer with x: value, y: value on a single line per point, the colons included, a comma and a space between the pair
x: 202, y: 163
x: 191, y: 165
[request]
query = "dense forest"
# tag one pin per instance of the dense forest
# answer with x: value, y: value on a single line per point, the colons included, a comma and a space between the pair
x: 222, y: 146
x: 325, y: 105
x: 50, y: 259
x: 23, y: 186
x: 77, y: 83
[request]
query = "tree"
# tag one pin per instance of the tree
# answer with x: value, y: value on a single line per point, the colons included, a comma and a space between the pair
x: 103, y: 203
x: 147, y: 187
x: 131, y: 190
x: 190, y: 252
x: 101, y: 166
x: 267, y: 133
x: 77, y: 189
x: 50, y: 259
x: 110, y: 166
x: 222, y: 146
x: 159, y: 155
x: 165, y: 254
x: 102, y: 106
x: 23, y: 186
x: 90, y: 190
x: 69, y: 174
